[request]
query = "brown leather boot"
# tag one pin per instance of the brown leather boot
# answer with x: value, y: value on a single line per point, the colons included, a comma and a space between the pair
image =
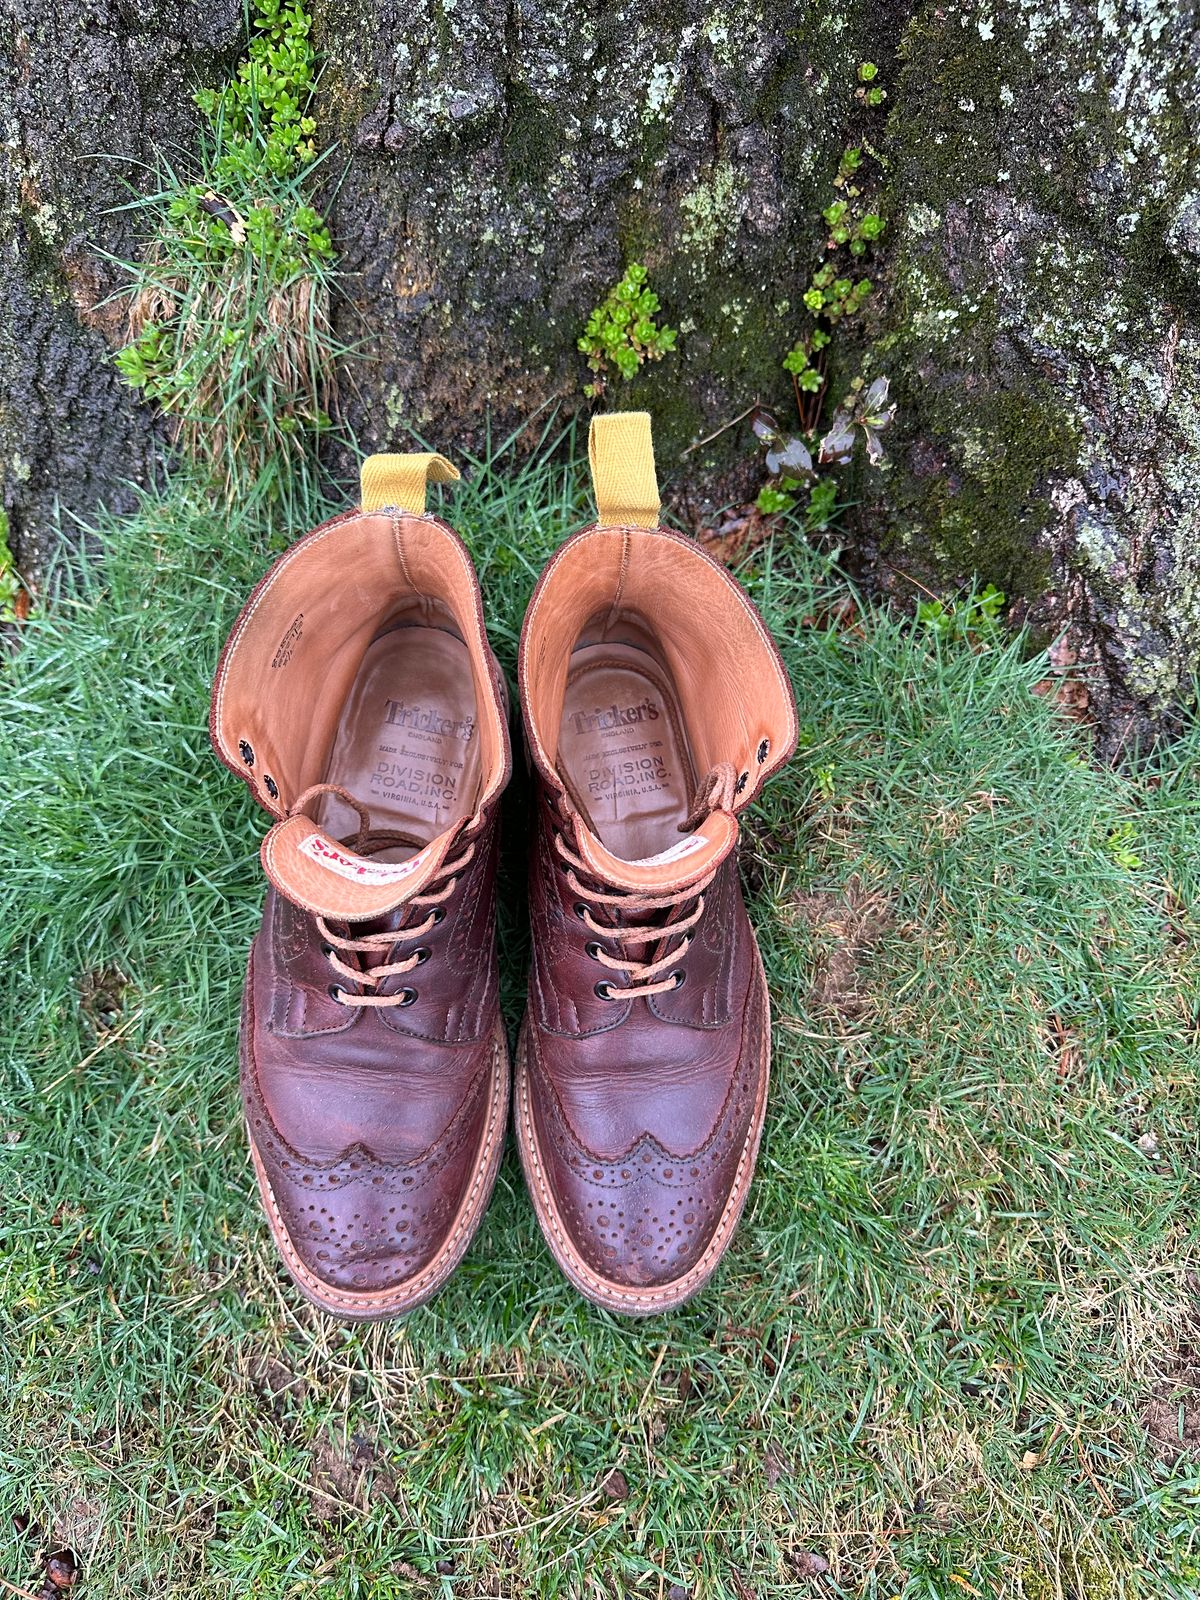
x: 359, y: 700
x: 655, y: 706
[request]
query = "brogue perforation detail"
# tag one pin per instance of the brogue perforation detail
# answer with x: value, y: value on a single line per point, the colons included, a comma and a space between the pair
x: 340, y: 1245
x: 648, y: 1210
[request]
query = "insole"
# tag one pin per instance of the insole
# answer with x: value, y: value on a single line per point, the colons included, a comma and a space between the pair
x: 622, y: 751
x: 406, y: 745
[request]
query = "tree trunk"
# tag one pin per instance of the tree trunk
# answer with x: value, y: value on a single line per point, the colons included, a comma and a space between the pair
x: 1043, y: 329
x: 499, y: 164
x: 508, y: 159
x: 89, y: 91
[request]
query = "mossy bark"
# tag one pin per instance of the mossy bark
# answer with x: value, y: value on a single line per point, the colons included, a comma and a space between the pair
x: 500, y: 163
x: 508, y: 159
x: 89, y: 92
x: 1043, y: 332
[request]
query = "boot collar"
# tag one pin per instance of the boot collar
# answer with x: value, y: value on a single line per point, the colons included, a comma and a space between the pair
x: 290, y: 658
x: 733, y: 687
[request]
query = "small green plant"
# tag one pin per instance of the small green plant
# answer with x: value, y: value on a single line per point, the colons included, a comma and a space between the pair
x: 10, y: 584
x: 856, y: 233
x: 1119, y: 845
x: 833, y: 296
x: 774, y: 498
x: 265, y: 108
x: 622, y: 332
x: 822, y: 505
x: 789, y: 458
x: 865, y: 407
x: 869, y: 92
x: 799, y: 360
x: 229, y: 311
x: 977, y: 620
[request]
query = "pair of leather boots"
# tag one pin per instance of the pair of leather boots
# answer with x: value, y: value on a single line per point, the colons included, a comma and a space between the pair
x: 358, y: 698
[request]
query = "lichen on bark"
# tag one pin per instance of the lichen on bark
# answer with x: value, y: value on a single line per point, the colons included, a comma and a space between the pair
x: 1044, y: 330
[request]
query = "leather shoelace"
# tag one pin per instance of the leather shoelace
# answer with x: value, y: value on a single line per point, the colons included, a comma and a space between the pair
x: 644, y: 976
x: 717, y: 789
x: 373, y: 943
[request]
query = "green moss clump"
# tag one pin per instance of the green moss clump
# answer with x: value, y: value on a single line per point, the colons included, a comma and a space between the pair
x: 982, y: 513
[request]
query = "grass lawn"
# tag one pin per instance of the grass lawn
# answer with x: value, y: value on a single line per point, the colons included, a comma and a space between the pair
x: 955, y: 1350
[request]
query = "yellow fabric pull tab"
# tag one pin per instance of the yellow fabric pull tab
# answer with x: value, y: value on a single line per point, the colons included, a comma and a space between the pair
x: 622, y: 455
x: 400, y: 481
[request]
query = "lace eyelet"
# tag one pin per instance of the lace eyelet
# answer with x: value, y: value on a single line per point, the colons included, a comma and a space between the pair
x: 327, y: 951
x: 335, y: 992
x: 422, y: 954
x: 439, y: 915
x: 246, y: 751
x: 680, y: 978
x: 763, y: 751
x: 743, y: 780
x: 271, y: 786
x: 593, y: 948
x: 580, y: 910
x: 603, y: 991
x: 407, y: 996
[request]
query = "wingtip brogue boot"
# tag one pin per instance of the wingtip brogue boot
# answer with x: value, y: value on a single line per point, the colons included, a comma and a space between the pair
x: 655, y: 705
x: 359, y: 700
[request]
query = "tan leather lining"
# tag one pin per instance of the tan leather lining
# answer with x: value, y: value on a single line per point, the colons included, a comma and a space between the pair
x: 301, y: 641
x: 732, y: 690
x: 406, y: 743
x: 622, y: 750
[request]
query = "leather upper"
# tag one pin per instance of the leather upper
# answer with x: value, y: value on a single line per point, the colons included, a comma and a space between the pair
x: 375, y: 1127
x: 368, y: 1121
x: 644, y: 1111
x: 643, y: 1106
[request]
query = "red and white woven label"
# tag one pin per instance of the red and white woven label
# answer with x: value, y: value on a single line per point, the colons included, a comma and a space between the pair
x: 358, y: 870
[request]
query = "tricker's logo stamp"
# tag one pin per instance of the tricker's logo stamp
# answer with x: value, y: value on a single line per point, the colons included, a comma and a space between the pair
x: 288, y: 643
x: 599, y: 721
x: 402, y: 715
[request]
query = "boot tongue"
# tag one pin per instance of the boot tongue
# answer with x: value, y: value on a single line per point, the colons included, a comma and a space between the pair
x: 315, y: 871
x: 678, y: 866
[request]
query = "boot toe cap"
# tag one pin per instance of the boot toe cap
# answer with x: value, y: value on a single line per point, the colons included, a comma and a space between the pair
x: 643, y: 1233
x: 368, y: 1236
x: 649, y: 1222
